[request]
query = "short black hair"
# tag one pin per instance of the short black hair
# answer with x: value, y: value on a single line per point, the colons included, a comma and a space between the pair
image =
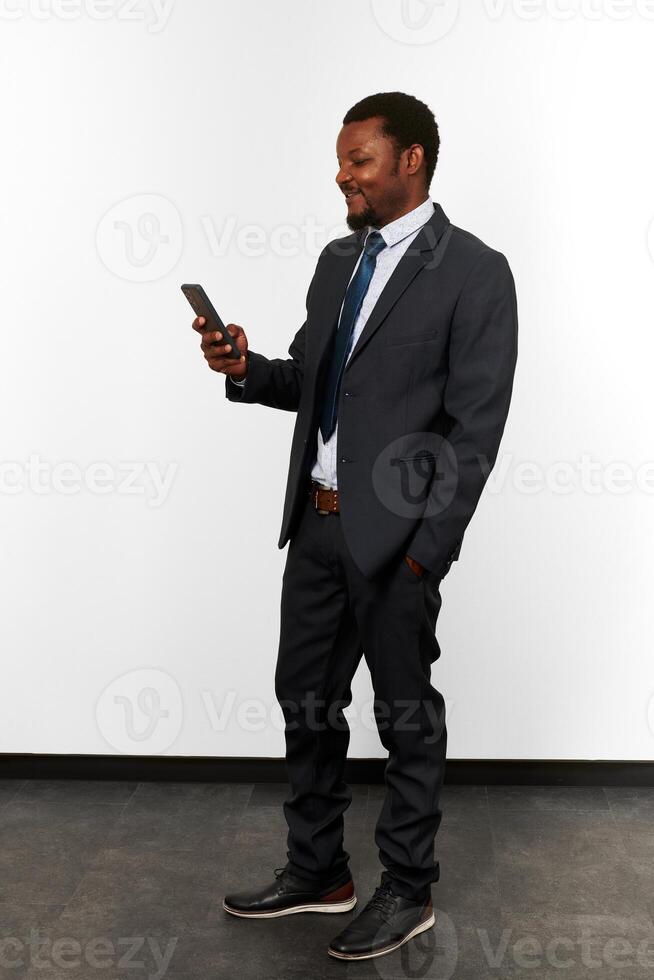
x: 407, y: 120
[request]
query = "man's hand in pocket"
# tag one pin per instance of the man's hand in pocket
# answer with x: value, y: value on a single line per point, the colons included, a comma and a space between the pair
x: 415, y: 566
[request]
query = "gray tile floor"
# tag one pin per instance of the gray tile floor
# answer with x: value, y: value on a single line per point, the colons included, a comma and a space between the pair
x: 123, y: 880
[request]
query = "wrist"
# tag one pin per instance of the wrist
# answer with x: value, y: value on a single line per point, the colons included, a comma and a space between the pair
x: 238, y: 379
x: 242, y: 377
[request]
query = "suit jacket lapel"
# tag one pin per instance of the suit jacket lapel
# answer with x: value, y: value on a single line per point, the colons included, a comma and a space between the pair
x: 420, y: 253
x: 338, y: 272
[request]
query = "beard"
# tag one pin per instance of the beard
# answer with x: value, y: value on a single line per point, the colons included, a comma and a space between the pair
x: 359, y: 220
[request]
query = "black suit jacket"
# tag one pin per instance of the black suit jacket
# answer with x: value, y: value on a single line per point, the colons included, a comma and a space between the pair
x: 423, y: 400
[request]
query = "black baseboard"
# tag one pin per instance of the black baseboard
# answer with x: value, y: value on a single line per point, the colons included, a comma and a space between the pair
x: 529, y: 772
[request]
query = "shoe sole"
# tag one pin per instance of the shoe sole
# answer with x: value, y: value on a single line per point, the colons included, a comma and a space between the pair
x: 331, y: 908
x: 422, y: 927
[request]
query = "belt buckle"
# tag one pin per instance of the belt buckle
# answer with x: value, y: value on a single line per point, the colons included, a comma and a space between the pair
x: 323, y: 513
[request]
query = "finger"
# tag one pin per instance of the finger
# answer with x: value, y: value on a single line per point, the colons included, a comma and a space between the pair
x: 221, y: 360
x: 199, y: 324
x: 217, y: 352
x: 214, y: 343
x: 225, y: 364
x: 234, y: 330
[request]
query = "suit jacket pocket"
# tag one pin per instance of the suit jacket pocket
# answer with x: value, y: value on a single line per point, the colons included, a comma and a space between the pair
x: 404, y: 340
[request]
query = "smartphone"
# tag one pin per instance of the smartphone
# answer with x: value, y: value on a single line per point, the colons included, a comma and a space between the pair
x: 203, y: 306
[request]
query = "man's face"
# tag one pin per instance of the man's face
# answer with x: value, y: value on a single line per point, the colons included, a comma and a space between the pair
x: 375, y: 187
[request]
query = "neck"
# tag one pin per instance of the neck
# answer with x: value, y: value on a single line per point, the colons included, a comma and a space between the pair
x: 405, y: 209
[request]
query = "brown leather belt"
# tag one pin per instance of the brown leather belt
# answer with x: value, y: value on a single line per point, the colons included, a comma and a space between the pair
x: 323, y: 499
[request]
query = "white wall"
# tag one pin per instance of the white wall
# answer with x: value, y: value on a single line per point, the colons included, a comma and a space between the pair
x: 145, y: 620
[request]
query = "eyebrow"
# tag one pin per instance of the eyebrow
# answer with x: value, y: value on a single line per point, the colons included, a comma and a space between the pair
x: 356, y: 149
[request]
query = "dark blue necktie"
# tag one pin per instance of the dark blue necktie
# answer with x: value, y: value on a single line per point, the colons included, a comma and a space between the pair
x: 354, y: 296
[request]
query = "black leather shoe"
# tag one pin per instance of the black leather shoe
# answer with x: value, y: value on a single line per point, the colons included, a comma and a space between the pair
x: 289, y: 894
x: 385, y: 923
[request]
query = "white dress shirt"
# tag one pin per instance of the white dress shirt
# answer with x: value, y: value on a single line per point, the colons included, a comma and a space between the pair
x: 398, y: 235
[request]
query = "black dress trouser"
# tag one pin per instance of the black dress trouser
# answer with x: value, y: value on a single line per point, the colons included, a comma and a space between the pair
x: 331, y: 615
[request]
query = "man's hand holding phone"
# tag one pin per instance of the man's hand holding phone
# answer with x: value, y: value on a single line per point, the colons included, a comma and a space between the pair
x: 225, y: 348
x: 216, y: 352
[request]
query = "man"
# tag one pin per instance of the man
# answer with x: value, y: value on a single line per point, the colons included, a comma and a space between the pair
x: 401, y: 378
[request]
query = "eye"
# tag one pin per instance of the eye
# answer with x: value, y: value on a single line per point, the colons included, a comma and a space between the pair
x: 357, y: 163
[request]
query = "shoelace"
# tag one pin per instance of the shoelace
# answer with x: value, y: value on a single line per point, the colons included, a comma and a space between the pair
x: 383, y: 900
x: 281, y: 874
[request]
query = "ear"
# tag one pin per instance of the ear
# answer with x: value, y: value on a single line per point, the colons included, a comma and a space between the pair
x: 415, y: 158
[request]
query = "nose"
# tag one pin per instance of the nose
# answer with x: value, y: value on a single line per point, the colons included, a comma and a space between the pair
x: 343, y: 177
